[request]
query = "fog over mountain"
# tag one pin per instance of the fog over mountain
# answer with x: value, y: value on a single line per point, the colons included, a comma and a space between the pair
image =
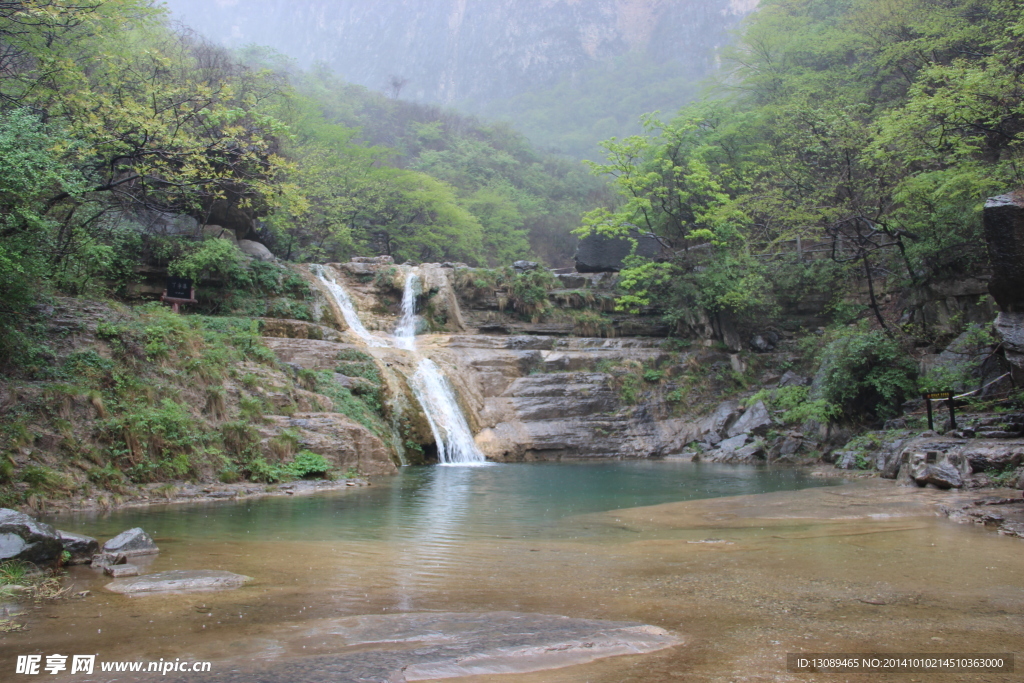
x: 481, y: 55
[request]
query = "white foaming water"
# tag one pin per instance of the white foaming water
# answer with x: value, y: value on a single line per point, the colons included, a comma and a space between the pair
x: 455, y: 445
x: 405, y: 333
x: 348, y: 311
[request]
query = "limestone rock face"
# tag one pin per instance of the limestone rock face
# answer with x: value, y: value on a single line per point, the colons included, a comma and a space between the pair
x: 337, y: 438
x: 1010, y: 327
x: 26, y: 538
x: 474, y: 51
x: 542, y: 398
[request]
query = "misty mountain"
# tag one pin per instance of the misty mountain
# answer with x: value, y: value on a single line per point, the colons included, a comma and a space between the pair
x: 547, y: 65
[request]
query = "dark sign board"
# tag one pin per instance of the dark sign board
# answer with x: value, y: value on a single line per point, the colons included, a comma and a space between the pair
x: 179, y: 288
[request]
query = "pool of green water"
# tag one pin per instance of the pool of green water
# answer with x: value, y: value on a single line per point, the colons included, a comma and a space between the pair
x: 449, y: 504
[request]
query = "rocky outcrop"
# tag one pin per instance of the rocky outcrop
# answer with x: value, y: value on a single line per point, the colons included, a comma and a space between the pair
x: 954, y: 462
x: 1004, y: 232
x: 1010, y: 328
x: 598, y: 253
x: 755, y: 420
x: 25, y: 538
x: 343, y: 442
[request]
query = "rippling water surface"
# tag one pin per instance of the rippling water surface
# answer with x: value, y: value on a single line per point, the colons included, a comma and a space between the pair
x: 427, y: 504
x: 863, y: 567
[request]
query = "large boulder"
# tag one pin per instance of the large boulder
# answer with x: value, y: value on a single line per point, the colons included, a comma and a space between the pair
x: 756, y: 420
x: 1010, y: 328
x: 255, y: 250
x: 1004, y: 232
x: 26, y: 538
x: 928, y: 461
x: 601, y: 254
x: 131, y: 543
x: 81, y: 548
x: 342, y: 441
x: 718, y: 423
x: 943, y: 476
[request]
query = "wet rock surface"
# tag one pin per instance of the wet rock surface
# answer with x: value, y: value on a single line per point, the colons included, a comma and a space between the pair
x: 82, y: 548
x: 25, y: 538
x: 440, y: 645
x: 178, y: 581
x: 131, y: 543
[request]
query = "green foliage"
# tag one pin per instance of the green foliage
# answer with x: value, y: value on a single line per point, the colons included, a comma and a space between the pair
x: 366, y: 409
x: 963, y: 370
x: 156, y: 441
x: 212, y: 258
x: 653, y: 376
x: 866, y: 373
x: 796, y: 404
x: 13, y: 572
x: 308, y: 465
x: 629, y: 388
x: 864, y: 132
x: 528, y: 293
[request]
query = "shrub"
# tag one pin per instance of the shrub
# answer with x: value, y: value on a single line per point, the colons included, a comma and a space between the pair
x: 866, y: 374
x: 309, y: 464
x: 796, y: 404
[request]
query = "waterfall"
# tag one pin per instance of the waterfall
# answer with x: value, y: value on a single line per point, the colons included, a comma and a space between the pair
x: 405, y: 333
x: 348, y: 311
x: 455, y: 445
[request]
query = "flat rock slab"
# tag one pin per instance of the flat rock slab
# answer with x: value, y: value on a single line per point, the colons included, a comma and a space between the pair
x: 178, y: 581
x: 426, y: 646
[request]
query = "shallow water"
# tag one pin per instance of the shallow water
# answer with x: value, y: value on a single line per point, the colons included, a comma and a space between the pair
x: 852, y: 568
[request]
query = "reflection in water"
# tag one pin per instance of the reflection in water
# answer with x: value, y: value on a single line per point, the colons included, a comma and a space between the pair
x: 815, y: 571
x: 427, y: 524
x: 427, y: 543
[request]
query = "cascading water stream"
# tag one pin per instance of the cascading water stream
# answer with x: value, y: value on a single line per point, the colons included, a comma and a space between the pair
x: 455, y: 445
x: 454, y: 439
x: 405, y: 333
x: 348, y: 311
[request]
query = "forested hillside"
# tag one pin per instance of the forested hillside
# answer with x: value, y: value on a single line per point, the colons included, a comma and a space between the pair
x: 112, y: 124
x: 867, y: 133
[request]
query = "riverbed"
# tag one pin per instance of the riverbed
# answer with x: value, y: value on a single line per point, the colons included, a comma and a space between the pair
x: 742, y: 565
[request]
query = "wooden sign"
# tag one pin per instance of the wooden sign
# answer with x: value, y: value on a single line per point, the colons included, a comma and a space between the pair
x: 940, y: 396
